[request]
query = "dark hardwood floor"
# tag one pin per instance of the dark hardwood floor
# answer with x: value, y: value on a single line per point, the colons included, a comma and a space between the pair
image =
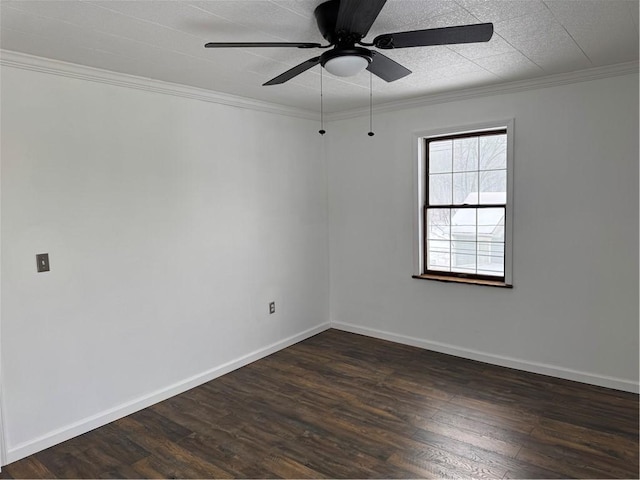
x: 341, y: 405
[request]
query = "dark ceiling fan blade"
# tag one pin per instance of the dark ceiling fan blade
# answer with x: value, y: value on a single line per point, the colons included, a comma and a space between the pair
x: 481, y: 32
x: 385, y: 68
x: 357, y: 16
x: 297, y: 70
x: 261, y: 44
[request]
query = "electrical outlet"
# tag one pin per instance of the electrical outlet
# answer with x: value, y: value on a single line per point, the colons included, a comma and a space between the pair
x: 272, y: 308
x: 42, y: 262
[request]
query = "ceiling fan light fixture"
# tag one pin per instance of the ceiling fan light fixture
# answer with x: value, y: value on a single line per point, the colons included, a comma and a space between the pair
x: 346, y: 61
x: 346, y: 65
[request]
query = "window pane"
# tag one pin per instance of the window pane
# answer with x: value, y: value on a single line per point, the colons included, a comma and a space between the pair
x: 493, y: 186
x: 463, y: 224
x: 463, y: 240
x: 440, y: 156
x: 491, y: 258
x: 465, y: 154
x: 491, y: 224
x: 440, y: 189
x: 493, y: 151
x: 463, y: 256
x: 438, y: 239
x: 439, y: 223
x: 438, y: 256
x: 465, y: 188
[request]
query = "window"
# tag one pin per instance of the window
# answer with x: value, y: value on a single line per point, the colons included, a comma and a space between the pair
x: 465, y: 206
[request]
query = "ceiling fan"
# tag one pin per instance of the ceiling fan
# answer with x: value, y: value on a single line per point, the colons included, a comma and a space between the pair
x: 344, y: 23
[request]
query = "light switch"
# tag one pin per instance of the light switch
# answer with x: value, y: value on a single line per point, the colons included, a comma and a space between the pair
x: 42, y: 260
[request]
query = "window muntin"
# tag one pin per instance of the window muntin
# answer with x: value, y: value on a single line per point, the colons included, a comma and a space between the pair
x: 466, y: 205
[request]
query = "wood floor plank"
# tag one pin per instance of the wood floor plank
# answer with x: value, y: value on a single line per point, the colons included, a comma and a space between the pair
x: 509, y: 412
x: 513, y: 466
x: 595, y: 419
x: 603, y: 442
x: 569, y: 466
x: 121, y: 471
x: 157, y: 424
x: 340, y: 405
x: 111, y: 440
x: 521, y: 469
x: 159, y: 467
x: 284, y: 467
x: 398, y: 385
x: 29, y: 467
x: 238, y: 456
x: 494, y: 419
x: 420, y: 468
x: 68, y: 465
x: 348, y: 434
x: 362, y: 413
x: 619, y: 449
x: 164, y: 452
x: 567, y: 459
x: 502, y: 433
x: 436, y: 463
x: 332, y: 456
x: 470, y: 437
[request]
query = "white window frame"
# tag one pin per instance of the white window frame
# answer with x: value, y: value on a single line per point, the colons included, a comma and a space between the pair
x: 419, y: 197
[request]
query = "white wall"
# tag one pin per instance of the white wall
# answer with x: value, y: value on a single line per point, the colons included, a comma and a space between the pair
x: 574, y: 309
x: 170, y: 223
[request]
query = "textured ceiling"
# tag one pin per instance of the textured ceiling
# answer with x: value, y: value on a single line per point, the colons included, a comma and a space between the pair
x: 164, y: 40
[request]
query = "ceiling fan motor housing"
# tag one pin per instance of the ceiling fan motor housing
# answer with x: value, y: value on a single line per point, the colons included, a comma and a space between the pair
x: 326, y: 17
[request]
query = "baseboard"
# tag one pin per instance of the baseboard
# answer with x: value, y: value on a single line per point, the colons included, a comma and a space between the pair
x: 87, y: 424
x: 534, y: 367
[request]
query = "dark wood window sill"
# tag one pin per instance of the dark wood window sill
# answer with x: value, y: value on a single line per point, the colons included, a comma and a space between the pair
x: 469, y: 281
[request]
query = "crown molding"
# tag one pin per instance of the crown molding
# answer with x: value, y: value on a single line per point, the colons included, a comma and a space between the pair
x: 34, y: 63
x: 57, y: 67
x: 586, y: 75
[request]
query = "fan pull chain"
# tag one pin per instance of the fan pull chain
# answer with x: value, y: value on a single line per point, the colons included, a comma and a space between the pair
x: 322, y: 131
x: 371, y: 134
